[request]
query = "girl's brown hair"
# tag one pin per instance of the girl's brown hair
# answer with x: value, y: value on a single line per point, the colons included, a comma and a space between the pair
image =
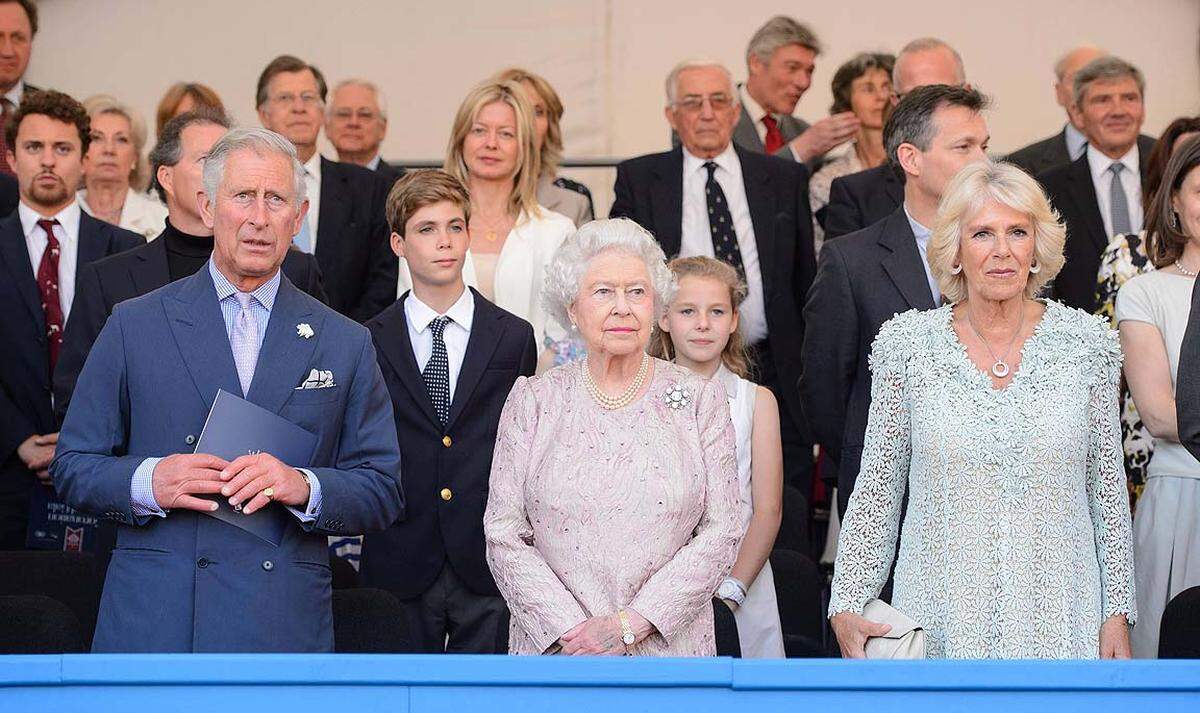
x: 734, y: 355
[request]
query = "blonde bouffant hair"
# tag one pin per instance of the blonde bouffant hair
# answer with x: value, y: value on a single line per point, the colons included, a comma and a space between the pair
x: 733, y: 356
x: 966, y: 194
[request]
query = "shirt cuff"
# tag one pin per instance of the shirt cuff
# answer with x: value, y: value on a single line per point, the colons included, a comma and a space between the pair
x: 141, y: 490
x: 313, y: 511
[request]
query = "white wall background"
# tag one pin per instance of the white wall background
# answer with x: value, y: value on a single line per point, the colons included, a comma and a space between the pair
x: 607, y: 58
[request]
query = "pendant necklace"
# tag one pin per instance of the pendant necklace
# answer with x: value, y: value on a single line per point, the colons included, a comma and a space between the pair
x: 1000, y: 368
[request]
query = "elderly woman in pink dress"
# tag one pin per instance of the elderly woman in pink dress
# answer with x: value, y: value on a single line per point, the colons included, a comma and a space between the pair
x: 613, y: 510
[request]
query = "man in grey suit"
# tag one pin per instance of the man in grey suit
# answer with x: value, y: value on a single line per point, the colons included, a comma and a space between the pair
x: 1070, y: 143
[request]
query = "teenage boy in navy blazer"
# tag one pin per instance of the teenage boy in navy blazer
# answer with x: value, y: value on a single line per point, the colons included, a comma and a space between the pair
x: 449, y: 358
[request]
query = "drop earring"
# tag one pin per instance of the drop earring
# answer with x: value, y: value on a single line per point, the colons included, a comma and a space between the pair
x: 955, y: 269
x: 1034, y: 267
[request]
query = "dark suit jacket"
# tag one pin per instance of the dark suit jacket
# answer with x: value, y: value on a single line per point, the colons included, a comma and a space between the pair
x: 175, y: 583
x: 1043, y: 155
x: 1073, y: 194
x: 1187, y: 386
x: 108, y: 282
x: 649, y: 189
x: 408, y: 556
x: 9, y: 194
x: 353, y: 247
x: 863, y: 199
x: 390, y: 173
x: 25, y: 377
x: 863, y: 280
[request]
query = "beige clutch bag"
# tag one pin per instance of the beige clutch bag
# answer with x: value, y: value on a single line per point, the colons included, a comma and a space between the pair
x: 906, y: 640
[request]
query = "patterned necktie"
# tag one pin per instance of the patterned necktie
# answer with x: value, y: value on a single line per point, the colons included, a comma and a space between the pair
x: 244, y: 341
x: 1120, y: 205
x: 774, y: 140
x: 720, y: 221
x: 47, y: 280
x: 437, y: 370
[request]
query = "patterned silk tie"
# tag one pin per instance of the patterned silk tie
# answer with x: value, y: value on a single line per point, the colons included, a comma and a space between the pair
x: 47, y: 280
x: 244, y: 341
x: 437, y: 371
x: 774, y: 140
x: 720, y: 221
x: 1121, y: 224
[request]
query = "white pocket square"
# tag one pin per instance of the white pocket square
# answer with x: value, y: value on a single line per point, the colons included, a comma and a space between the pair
x: 317, y: 379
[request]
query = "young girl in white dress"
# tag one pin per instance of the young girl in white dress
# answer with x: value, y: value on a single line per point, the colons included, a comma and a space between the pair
x: 700, y: 332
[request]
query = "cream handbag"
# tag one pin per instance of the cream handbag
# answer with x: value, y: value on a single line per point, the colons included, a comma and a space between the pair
x: 906, y: 640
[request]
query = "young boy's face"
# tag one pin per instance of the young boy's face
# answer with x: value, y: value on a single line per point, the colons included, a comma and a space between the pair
x: 434, y: 243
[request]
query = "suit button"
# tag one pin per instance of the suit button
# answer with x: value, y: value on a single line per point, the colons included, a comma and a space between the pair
x: 268, y: 565
x: 446, y: 494
x: 446, y: 441
x: 202, y: 562
x: 190, y: 439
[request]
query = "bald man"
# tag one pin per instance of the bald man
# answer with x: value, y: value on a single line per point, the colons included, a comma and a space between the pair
x: 1070, y: 143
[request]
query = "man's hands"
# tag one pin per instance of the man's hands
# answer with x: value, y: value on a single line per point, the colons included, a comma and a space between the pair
x: 36, y: 452
x: 246, y: 478
x: 824, y: 135
x: 179, y: 478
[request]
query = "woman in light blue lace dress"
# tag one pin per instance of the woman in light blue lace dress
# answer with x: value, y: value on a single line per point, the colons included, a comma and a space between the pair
x: 998, y: 413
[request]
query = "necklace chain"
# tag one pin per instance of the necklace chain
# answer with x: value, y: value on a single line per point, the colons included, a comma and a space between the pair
x: 1000, y: 368
x: 1184, y: 270
x: 612, y: 403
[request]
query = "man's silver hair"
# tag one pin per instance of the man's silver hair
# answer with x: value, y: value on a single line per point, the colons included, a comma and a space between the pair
x: 780, y: 31
x: 1102, y: 69
x: 380, y: 98
x: 924, y: 44
x: 1060, y: 67
x: 698, y: 63
x: 260, y: 141
x: 571, y: 261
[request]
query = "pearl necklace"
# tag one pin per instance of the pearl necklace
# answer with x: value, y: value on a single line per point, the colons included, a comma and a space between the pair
x: 611, y: 403
x: 1184, y: 270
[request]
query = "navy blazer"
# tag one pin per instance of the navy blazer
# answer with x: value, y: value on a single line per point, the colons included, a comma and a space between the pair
x: 108, y: 282
x: 25, y: 378
x: 188, y: 582
x: 862, y: 199
x: 408, y: 556
x: 863, y: 280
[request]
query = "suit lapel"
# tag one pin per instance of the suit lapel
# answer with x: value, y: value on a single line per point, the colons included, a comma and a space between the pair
x: 93, y: 243
x: 151, y: 270
x: 481, y: 345
x: 1083, y: 191
x: 666, y: 200
x: 904, y: 265
x: 397, y: 348
x: 285, y: 356
x: 16, y: 256
x: 763, y: 212
x: 335, y: 206
x: 195, y: 319
x: 745, y: 133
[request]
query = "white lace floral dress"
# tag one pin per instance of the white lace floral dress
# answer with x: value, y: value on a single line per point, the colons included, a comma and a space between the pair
x: 1016, y: 541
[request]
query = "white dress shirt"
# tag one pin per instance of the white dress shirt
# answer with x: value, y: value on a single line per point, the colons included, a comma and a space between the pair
x: 67, y: 233
x: 922, y: 234
x: 373, y: 164
x: 697, y: 235
x: 1077, y: 143
x: 1131, y: 182
x: 418, y: 315
x: 312, y: 179
x: 15, y: 94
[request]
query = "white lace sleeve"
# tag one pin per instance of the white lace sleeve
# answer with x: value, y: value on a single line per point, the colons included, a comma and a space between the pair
x: 1108, y: 497
x: 868, y: 537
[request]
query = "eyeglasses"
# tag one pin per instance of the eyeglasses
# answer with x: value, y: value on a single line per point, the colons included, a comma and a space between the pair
x: 363, y: 115
x: 693, y: 103
x: 308, y: 99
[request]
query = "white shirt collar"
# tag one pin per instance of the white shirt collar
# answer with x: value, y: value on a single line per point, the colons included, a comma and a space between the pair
x: 313, y: 166
x: 68, y: 218
x: 752, y: 107
x: 462, y: 312
x: 373, y: 164
x: 920, y: 232
x: 1076, y: 141
x: 727, y: 160
x: 1099, y: 163
x: 14, y: 95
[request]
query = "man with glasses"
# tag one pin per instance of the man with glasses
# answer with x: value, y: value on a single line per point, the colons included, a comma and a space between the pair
x: 346, y: 227
x: 356, y: 123
x: 709, y: 196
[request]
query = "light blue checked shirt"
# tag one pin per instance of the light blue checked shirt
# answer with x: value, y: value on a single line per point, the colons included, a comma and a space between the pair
x: 142, y: 487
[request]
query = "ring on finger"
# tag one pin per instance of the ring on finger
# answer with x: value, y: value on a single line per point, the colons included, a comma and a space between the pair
x: 269, y: 492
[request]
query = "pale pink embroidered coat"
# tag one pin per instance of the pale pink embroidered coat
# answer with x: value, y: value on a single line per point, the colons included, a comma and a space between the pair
x: 592, y: 510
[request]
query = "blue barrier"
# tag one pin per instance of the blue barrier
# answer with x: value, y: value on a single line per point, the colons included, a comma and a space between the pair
x: 226, y: 683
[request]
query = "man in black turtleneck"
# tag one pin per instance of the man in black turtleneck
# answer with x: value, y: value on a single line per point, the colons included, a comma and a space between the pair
x: 176, y: 164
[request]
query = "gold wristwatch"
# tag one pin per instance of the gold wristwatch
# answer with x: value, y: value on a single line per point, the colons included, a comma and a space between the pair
x: 627, y: 636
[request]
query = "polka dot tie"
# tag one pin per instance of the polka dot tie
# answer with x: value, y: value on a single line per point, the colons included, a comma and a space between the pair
x: 437, y: 370
x: 720, y: 221
x: 47, y: 281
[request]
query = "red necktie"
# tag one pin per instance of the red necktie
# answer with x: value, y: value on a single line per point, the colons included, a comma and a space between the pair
x: 5, y: 115
x: 47, y: 279
x: 774, y: 140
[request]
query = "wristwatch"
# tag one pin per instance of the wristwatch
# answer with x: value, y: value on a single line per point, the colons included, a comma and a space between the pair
x: 733, y: 590
x: 627, y: 636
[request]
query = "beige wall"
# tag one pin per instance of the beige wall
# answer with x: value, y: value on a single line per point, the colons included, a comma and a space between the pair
x: 606, y: 57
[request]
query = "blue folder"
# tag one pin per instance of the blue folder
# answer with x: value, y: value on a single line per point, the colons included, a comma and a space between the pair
x: 235, y: 427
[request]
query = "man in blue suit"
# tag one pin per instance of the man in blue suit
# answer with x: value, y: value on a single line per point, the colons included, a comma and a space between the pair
x: 179, y: 581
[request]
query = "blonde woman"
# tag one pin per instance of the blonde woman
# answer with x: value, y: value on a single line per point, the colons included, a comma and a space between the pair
x: 561, y: 195
x: 998, y: 414
x: 115, y: 171
x: 492, y: 152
